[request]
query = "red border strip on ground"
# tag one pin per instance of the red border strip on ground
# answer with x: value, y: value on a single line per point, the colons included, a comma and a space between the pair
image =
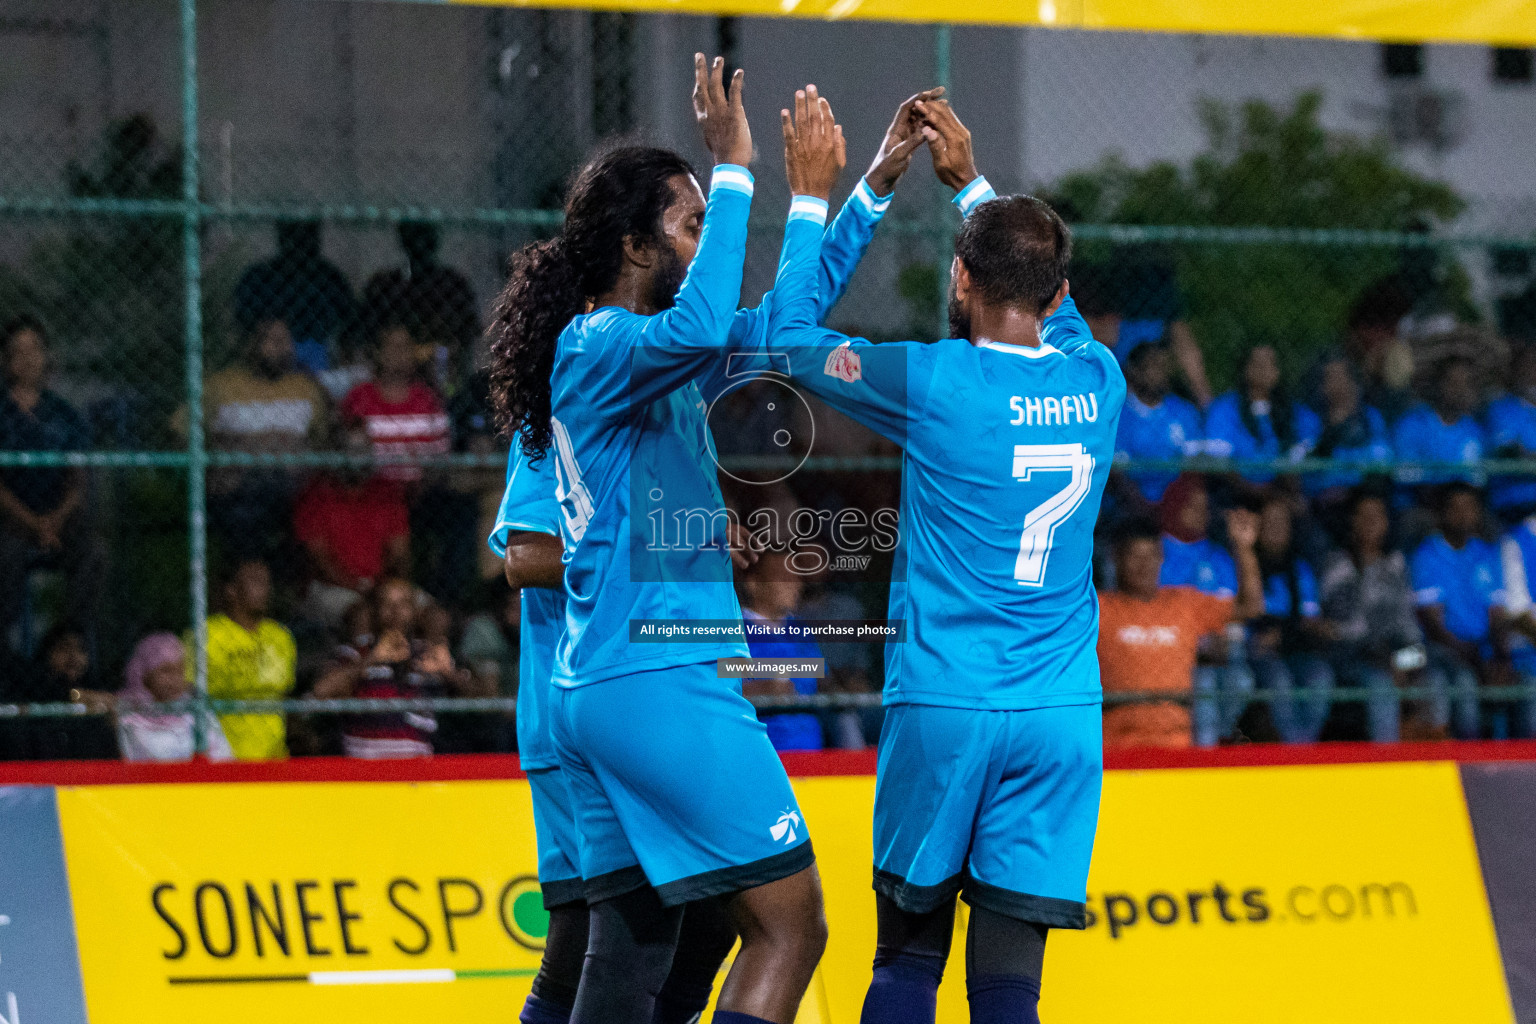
x: 810, y: 763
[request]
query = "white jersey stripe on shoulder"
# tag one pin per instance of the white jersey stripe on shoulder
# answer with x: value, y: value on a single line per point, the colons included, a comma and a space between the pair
x: 1028, y: 351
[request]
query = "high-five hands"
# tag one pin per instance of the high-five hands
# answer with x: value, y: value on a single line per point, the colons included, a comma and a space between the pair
x: 814, y: 151
x: 720, y: 115
x: 902, y: 140
x: 949, y: 141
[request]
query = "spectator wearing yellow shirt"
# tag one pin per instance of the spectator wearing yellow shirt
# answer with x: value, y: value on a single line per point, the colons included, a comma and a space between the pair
x: 251, y: 657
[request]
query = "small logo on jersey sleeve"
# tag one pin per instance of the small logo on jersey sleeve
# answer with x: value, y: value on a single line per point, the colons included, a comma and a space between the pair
x: 786, y: 828
x: 844, y: 364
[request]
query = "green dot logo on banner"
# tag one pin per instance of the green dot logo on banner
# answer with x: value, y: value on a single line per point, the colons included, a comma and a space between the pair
x: 39, y: 962
x: 523, y: 914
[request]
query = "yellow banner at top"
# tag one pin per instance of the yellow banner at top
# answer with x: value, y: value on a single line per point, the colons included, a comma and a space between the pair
x: 1495, y: 22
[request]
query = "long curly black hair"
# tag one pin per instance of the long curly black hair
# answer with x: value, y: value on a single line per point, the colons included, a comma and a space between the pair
x: 621, y: 193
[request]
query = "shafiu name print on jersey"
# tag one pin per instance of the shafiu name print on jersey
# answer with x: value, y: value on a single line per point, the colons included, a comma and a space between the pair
x: 1054, y: 410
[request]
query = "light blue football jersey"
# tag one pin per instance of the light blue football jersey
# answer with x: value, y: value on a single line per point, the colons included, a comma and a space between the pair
x: 1006, y: 453
x: 643, y: 521
x: 529, y: 504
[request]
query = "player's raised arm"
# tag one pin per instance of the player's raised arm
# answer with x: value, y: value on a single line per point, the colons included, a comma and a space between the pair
x: 844, y: 243
x: 720, y: 114
x: 955, y: 165
x: 854, y: 227
x: 698, y: 321
x: 826, y: 362
x: 814, y: 155
x: 949, y: 141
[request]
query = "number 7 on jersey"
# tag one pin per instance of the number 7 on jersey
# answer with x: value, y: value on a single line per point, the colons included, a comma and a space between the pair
x: 1041, y: 521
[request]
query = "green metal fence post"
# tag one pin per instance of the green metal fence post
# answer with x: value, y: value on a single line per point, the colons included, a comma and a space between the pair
x: 197, y: 460
x: 942, y: 233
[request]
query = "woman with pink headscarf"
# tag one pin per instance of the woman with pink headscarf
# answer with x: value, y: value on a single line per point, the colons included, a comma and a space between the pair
x: 157, y: 674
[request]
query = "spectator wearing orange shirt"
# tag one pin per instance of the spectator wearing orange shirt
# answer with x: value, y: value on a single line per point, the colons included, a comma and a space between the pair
x: 1149, y: 634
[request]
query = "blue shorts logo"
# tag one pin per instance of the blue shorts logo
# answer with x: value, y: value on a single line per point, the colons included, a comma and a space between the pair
x: 785, y: 827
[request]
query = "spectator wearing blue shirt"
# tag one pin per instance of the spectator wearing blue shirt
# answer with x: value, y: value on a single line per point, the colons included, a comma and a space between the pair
x: 1458, y: 582
x: 1444, y: 430
x: 1348, y: 431
x: 1511, y: 423
x: 1518, y: 554
x: 770, y: 593
x: 1258, y: 420
x: 1154, y: 425
x: 1150, y: 314
x: 44, y: 515
x: 1192, y: 559
x: 1285, y: 643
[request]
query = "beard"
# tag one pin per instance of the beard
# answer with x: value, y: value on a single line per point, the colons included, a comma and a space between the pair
x: 959, y: 319
x: 668, y: 280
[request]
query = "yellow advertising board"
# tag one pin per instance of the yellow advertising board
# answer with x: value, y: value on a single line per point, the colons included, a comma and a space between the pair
x: 1502, y: 22
x: 246, y: 903
x: 1256, y: 894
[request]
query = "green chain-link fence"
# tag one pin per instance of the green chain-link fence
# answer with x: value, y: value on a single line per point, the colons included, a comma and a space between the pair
x: 255, y: 231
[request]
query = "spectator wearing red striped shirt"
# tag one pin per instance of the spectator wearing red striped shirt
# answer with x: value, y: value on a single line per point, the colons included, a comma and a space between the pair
x: 393, y: 660
x: 403, y: 415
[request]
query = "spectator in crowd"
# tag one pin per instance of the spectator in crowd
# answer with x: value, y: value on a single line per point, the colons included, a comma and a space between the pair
x: 461, y: 503
x: 770, y: 594
x: 1383, y: 360
x: 1133, y: 300
x: 1149, y: 634
x: 1192, y: 559
x: 1443, y: 430
x: 1155, y: 424
x: 402, y: 415
x: 1258, y: 420
x: 261, y: 405
x: 61, y: 673
x: 45, y: 518
x: 1458, y: 581
x: 436, y: 301
x: 157, y: 674
x: 473, y: 494
x: 849, y: 665
x: 1286, y: 643
x: 1518, y: 554
x: 392, y: 661
x: 354, y: 528
x: 250, y: 657
x: 1368, y: 602
x: 1349, y: 431
x: 1511, y: 423
x: 301, y: 288
x: 490, y: 648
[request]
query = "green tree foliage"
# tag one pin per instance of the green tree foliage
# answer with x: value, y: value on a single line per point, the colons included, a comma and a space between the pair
x: 1262, y: 167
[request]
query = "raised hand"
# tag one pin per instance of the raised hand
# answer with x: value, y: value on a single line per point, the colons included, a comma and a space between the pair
x: 721, y: 116
x: 814, y: 151
x: 950, y: 143
x: 902, y: 139
x: 1242, y: 528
